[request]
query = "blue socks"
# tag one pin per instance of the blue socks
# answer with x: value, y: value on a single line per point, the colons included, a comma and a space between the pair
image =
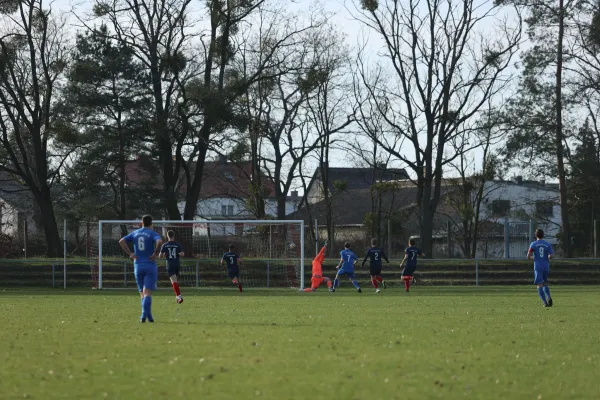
x: 355, y: 283
x: 542, y: 294
x: 147, y: 307
x: 547, y: 291
x: 336, y: 283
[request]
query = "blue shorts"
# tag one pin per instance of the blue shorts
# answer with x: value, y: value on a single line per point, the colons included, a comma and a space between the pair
x: 540, y: 276
x: 349, y: 274
x: 146, y: 276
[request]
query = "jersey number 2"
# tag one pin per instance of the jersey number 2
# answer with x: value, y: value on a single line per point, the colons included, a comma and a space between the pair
x: 141, y: 244
x: 376, y: 256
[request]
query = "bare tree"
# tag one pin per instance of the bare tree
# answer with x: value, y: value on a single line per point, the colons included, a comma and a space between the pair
x: 33, y: 55
x: 437, y: 71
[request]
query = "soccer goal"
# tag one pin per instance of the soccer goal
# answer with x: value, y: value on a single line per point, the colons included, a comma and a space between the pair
x: 272, y: 253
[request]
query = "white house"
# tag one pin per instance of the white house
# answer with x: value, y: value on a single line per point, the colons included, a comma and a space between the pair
x: 523, y: 201
x: 16, y: 206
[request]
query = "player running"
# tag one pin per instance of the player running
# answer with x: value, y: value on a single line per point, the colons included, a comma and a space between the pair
x: 410, y: 258
x: 346, y: 267
x: 146, y: 246
x: 317, y: 272
x: 541, y: 253
x: 232, y: 260
x: 172, y: 251
x: 375, y: 254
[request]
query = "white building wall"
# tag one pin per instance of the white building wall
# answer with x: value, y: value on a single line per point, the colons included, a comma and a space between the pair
x: 523, y: 201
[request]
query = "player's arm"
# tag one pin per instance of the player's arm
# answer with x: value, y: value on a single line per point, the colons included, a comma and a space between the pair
x: 404, y: 260
x: 366, y: 256
x: 340, y: 263
x: 223, y: 260
x: 550, y: 253
x: 157, y: 248
x: 124, y: 243
x: 530, y: 254
x: 163, y: 251
x: 181, y: 252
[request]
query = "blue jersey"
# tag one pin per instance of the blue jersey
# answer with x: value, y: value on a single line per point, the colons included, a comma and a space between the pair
x: 172, y: 250
x: 542, y: 251
x: 231, y: 259
x: 375, y: 254
x: 348, y: 259
x: 144, y: 242
x: 411, y: 256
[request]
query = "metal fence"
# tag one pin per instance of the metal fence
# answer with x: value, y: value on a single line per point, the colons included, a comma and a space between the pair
x: 79, y: 273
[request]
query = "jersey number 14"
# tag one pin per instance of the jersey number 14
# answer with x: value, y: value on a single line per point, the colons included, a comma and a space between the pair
x: 172, y: 252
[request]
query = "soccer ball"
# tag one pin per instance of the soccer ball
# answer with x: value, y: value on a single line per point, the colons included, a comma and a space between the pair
x: 291, y: 245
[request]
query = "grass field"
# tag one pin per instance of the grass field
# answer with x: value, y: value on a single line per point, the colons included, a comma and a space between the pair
x: 435, y: 343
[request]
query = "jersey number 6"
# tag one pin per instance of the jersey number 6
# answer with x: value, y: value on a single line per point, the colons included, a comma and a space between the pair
x: 141, y: 244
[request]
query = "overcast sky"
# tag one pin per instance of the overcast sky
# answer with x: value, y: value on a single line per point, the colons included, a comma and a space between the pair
x: 342, y: 11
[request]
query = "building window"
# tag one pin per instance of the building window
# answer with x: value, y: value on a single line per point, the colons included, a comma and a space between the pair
x: 544, y: 209
x: 500, y: 207
x: 226, y: 211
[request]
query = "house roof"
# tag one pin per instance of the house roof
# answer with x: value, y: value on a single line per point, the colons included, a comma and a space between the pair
x: 358, y: 178
x: 13, y: 192
x: 219, y: 179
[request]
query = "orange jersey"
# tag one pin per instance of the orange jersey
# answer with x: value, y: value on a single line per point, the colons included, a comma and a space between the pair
x: 317, y: 264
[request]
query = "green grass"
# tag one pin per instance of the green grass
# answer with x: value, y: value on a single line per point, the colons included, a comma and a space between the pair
x: 436, y: 343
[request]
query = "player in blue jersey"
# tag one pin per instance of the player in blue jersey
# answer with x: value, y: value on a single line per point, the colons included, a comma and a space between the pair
x: 376, y: 255
x: 541, y: 253
x: 146, y: 246
x: 346, y: 267
x: 172, y: 251
x: 232, y: 262
x: 410, y: 258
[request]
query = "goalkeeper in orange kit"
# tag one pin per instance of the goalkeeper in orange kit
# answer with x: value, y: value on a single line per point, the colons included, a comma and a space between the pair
x: 317, y: 272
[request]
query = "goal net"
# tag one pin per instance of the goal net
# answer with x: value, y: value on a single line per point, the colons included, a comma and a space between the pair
x: 271, y: 252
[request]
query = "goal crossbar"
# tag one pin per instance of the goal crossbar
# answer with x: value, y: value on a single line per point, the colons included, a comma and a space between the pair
x: 300, y: 223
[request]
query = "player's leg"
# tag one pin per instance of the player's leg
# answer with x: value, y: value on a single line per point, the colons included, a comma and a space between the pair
x: 329, y: 283
x: 173, y: 276
x: 150, y: 279
x: 315, y: 282
x: 336, y: 280
x: 547, y: 289
x: 352, y: 278
x: 538, y: 280
x: 407, y: 279
x: 234, y: 275
x: 139, y: 280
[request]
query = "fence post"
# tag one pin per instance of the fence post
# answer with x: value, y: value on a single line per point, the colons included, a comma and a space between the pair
x: 53, y: 275
x: 476, y: 272
x: 448, y: 238
x: 197, y: 273
x: 316, y: 237
x: 531, y: 230
x: 125, y: 274
x: 506, y: 239
x: 595, y: 239
x: 64, y: 254
x: 389, y: 237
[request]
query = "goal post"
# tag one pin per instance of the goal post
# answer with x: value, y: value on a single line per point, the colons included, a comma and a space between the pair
x: 272, y: 252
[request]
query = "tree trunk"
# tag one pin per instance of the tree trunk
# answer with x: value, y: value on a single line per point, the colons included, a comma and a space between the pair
x: 562, y: 179
x: 44, y: 202
x: 193, y: 191
x: 281, y: 203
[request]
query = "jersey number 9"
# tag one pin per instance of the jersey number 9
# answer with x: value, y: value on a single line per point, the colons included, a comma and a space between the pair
x: 541, y: 252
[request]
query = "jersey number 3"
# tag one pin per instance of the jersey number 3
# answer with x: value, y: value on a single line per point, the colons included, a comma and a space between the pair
x: 141, y: 244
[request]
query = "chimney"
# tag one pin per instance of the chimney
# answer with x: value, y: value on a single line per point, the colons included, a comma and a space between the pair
x: 294, y: 194
x: 543, y: 182
x: 518, y: 179
x: 222, y: 159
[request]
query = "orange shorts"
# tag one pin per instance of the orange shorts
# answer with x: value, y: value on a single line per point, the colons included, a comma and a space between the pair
x: 315, y: 282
